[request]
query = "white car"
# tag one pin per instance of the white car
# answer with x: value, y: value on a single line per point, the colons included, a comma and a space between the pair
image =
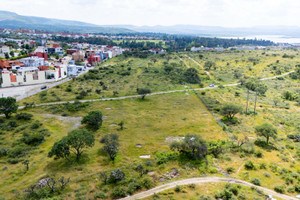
x: 212, y: 85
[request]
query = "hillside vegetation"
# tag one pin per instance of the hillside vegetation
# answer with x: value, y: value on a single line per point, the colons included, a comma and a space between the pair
x: 111, y: 149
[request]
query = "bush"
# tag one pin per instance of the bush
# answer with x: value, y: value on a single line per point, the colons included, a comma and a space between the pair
x: 13, y: 124
x: 258, y: 154
x: 249, y: 165
x: 262, y: 166
x: 33, y: 139
x: 37, y: 124
x: 24, y: 116
x: 119, y: 192
x: 100, y: 195
x: 116, y: 175
x: 230, y: 170
x: 147, y: 183
x: 4, y: 151
x: 177, y: 188
x: 255, y: 181
x: 18, y: 151
x: 279, y: 189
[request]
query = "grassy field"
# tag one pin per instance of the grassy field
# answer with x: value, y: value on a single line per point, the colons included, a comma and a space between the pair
x: 148, y: 123
x: 152, y: 124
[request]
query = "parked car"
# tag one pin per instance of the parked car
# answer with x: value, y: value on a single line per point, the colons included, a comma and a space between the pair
x: 43, y: 87
x: 212, y: 85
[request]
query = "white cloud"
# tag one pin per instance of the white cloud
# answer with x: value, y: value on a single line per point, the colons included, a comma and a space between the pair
x: 230, y: 13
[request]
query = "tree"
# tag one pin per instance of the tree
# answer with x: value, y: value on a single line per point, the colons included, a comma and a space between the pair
x: 230, y: 110
x: 143, y: 92
x: 76, y: 141
x: 26, y: 163
x: 60, y: 149
x: 8, y: 106
x: 141, y: 169
x: 12, y: 53
x: 193, y: 146
x: 216, y: 147
x: 191, y: 76
x: 93, y: 120
x: 6, y: 56
x: 266, y: 130
x: 111, y: 142
x: 209, y: 64
x: 80, y: 139
x: 256, y: 86
x: 104, y: 177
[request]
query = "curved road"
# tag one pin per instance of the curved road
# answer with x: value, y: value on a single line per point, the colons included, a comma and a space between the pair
x: 154, y: 93
x: 204, y: 180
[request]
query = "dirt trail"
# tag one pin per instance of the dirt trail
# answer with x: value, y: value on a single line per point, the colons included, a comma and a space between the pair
x: 204, y: 180
x: 154, y: 93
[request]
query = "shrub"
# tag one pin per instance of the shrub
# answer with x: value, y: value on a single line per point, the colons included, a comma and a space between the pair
x: 255, y: 181
x: 33, y: 139
x: 24, y: 116
x: 100, y: 195
x: 262, y: 166
x: 279, y: 189
x: 192, y: 186
x: 4, y: 151
x: 258, y: 154
x: 18, y: 151
x: 119, y: 192
x: 266, y: 174
x: 230, y: 170
x: 37, y: 124
x: 177, y: 188
x: 13, y: 124
x: 116, y: 175
x: 147, y: 183
x: 249, y: 165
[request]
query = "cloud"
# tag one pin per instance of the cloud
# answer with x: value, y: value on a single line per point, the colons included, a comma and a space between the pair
x: 229, y: 13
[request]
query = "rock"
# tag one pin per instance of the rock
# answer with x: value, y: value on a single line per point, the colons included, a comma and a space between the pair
x: 145, y: 156
x: 139, y: 146
x: 108, y: 108
x: 161, y: 179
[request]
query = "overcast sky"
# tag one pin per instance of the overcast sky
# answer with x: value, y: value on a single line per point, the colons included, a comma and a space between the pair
x: 228, y: 13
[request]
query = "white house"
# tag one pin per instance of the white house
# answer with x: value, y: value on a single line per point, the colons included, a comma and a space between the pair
x: 3, y: 51
x: 33, y: 61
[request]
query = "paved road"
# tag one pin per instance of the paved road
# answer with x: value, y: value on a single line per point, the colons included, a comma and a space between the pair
x: 204, y: 180
x: 21, y: 92
x: 52, y: 85
x: 154, y: 93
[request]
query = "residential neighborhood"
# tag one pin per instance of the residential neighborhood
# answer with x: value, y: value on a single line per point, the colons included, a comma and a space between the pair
x: 48, y: 62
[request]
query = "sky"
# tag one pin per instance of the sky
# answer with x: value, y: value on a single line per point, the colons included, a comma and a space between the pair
x: 226, y: 13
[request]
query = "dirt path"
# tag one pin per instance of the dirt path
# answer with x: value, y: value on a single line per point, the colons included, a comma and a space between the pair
x: 154, y: 93
x: 205, y: 180
x: 197, y: 64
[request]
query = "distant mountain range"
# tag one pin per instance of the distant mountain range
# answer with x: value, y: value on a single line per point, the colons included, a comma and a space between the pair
x: 15, y: 21
x: 289, y: 31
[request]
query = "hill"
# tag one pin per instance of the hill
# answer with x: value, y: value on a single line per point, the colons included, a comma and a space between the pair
x: 15, y: 21
x: 292, y: 31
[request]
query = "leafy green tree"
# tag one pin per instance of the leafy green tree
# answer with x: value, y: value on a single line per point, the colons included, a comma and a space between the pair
x: 143, y: 92
x: 80, y: 139
x: 6, y: 56
x: 209, y: 64
x: 12, y: 53
x: 76, y: 141
x: 8, y: 106
x: 93, y: 120
x: 60, y: 149
x: 192, y: 146
x: 230, y: 110
x: 266, y: 130
x: 111, y: 142
x: 191, y: 76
